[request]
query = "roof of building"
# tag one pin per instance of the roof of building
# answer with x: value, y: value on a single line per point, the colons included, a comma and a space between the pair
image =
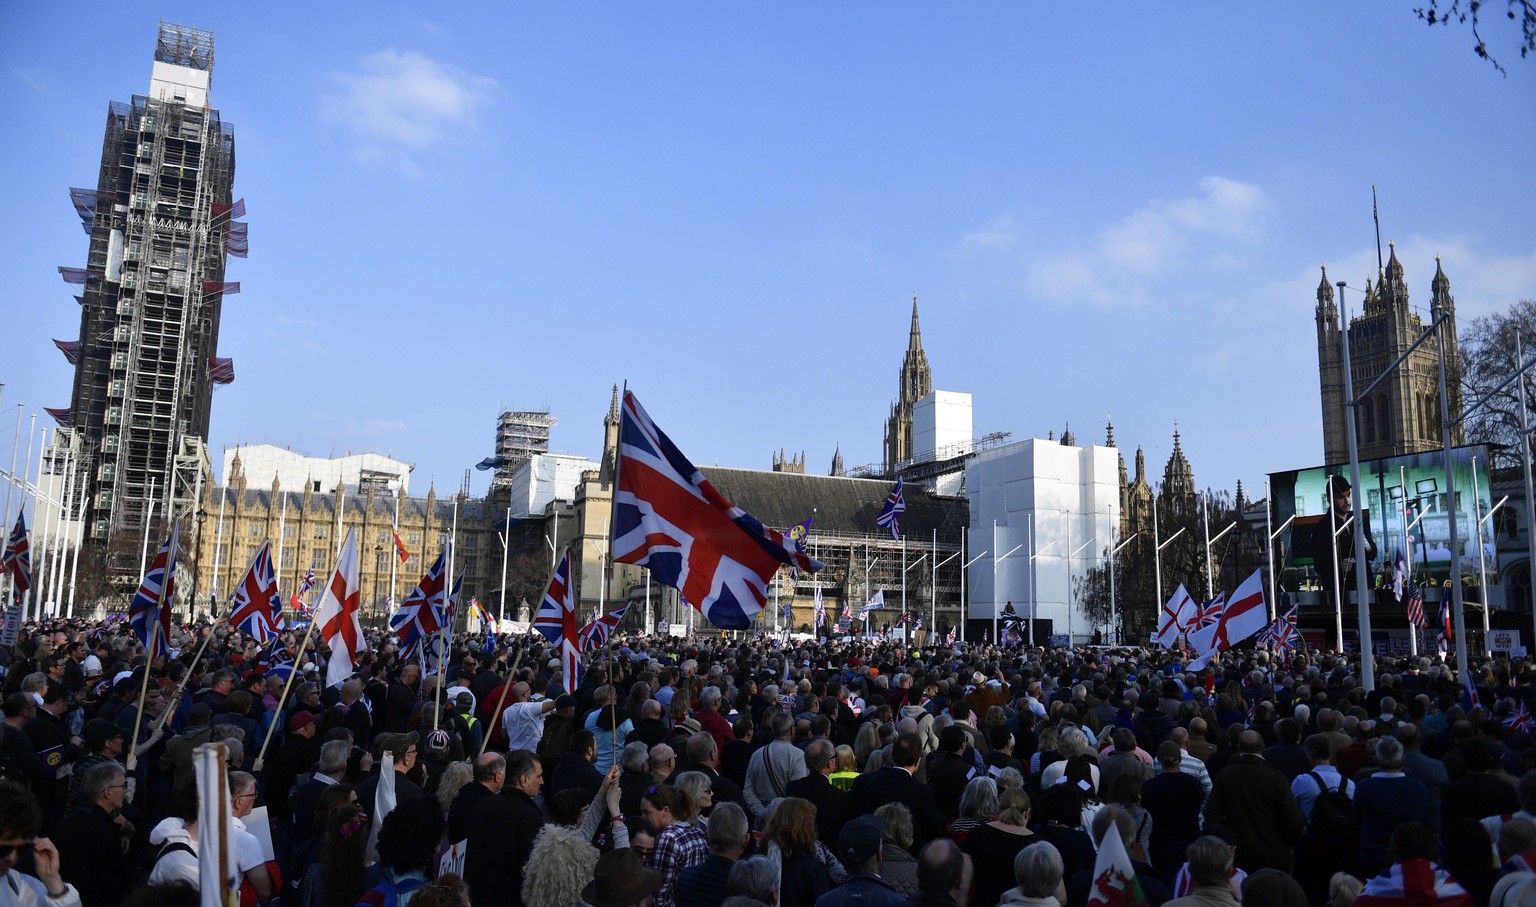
x: 782, y: 499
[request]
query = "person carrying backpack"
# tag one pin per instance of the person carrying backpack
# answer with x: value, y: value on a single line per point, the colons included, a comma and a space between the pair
x: 1331, y: 838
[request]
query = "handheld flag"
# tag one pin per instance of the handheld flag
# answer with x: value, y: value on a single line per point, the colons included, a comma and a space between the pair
x: 895, y: 506
x: 258, y: 608
x: 1201, y: 630
x: 424, y: 611
x: 308, y: 582
x: 595, y: 635
x: 18, y: 555
x: 1114, y: 878
x: 798, y: 535
x: 480, y: 611
x: 557, y: 621
x: 336, y: 614
x: 1241, y: 618
x: 1519, y: 718
x: 818, y: 610
x: 1178, y: 614
x: 150, y: 613
x: 669, y: 519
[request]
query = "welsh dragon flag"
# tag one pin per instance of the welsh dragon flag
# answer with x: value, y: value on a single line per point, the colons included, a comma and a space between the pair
x: 1114, y: 879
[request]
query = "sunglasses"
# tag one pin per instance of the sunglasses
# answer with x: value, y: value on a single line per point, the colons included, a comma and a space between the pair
x: 6, y: 850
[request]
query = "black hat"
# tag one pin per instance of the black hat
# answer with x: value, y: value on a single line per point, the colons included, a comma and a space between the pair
x: 98, y: 731
x: 620, y: 880
x: 859, y: 840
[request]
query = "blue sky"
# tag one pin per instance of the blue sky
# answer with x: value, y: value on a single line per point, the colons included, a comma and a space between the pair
x: 729, y: 206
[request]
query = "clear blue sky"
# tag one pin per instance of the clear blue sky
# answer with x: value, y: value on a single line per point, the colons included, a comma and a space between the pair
x: 516, y: 205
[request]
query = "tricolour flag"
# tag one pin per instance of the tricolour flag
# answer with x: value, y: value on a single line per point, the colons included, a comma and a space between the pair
x: 1114, y: 878
x: 425, y: 611
x: 150, y: 613
x: 258, y: 606
x: 1414, y: 882
x: 556, y: 619
x: 895, y: 506
x: 336, y: 614
x: 1447, y: 623
x: 818, y: 610
x: 669, y: 519
x: 595, y: 635
x: 1178, y: 614
x: 18, y: 555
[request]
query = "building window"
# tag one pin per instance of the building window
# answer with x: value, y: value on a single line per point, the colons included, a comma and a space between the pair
x: 320, y: 532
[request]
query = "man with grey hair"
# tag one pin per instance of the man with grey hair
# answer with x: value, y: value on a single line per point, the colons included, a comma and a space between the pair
x: 663, y: 763
x: 91, y: 840
x: 704, y: 757
x: 774, y: 766
x: 709, y: 718
x: 831, y: 802
x: 634, y: 777
x: 248, y: 854
x: 330, y: 769
x: 1385, y: 800
x: 756, y: 878
x: 1071, y: 742
x: 708, y: 883
x: 490, y: 774
x: 1188, y: 763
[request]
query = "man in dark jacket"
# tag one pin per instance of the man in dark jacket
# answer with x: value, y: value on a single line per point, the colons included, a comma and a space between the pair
x: 943, y: 876
x: 490, y: 774
x: 949, y: 770
x: 58, y: 748
x: 501, y: 833
x: 1254, y: 799
x: 897, y: 783
x: 17, y: 754
x: 574, y: 770
x: 90, y: 841
x: 402, y: 749
x: 831, y: 803
x: 401, y: 700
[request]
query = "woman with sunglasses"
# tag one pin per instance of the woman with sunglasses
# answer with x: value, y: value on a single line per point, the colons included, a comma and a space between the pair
x: 20, y: 820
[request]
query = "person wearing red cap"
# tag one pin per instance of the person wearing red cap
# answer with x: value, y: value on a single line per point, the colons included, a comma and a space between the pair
x: 298, y: 754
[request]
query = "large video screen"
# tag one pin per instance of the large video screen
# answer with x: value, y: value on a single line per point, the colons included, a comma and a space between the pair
x: 1408, y: 509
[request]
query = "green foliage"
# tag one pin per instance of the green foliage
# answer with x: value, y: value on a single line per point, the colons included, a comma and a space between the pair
x: 1472, y: 13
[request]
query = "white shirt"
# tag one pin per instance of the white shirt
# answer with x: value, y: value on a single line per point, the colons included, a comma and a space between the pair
x: 17, y: 889
x: 524, y: 723
x: 248, y: 854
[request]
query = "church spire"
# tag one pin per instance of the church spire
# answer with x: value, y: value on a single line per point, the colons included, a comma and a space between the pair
x: 915, y: 338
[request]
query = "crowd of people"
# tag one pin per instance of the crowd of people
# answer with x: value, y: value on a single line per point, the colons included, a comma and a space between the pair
x: 755, y: 771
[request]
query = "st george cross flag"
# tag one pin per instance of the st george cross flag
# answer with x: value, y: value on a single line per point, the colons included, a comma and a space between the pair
x: 1178, y: 614
x: 150, y: 613
x: 669, y: 519
x: 557, y: 621
x: 1244, y: 616
x: 258, y: 607
x: 895, y: 506
x: 1413, y: 883
x: 425, y: 611
x: 595, y: 635
x: 336, y: 614
x: 798, y: 535
x: 18, y: 555
x: 876, y: 603
x: 1114, y: 878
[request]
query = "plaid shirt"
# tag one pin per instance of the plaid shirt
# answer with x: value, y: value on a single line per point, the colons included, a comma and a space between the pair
x: 679, y: 846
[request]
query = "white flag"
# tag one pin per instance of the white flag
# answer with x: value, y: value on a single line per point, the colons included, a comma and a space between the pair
x: 216, y: 861
x: 876, y: 603
x: 336, y: 614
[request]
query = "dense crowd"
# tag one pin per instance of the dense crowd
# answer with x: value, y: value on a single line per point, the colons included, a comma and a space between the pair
x: 751, y: 771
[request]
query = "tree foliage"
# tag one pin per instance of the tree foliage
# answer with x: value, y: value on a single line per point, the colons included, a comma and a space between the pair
x: 1488, y: 360
x: 1473, y: 13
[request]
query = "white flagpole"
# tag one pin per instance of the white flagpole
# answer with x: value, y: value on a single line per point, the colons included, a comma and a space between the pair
x: 282, y: 529
x: 1205, y: 521
x: 394, y: 558
x: 74, y: 566
x: 602, y: 571
x: 506, y: 549
x: 1482, y: 560
x: 1269, y: 545
x: 149, y: 516
x: 1157, y: 558
x: 42, y: 560
x: 11, y: 483
x: 1413, y: 629
x: 61, y: 543
x: 933, y: 584
x: 341, y: 507
x: 904, y: 608
x: 26, y: 478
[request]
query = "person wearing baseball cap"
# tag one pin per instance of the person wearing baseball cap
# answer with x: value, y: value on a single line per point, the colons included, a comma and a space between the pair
x: 859, y: 850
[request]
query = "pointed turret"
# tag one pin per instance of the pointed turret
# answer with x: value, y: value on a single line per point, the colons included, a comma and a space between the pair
x: 1440, y: 287
x: 610, y: 461
x: 915, y: 338
x: 837, y: 460
x: 1392, y: 289
x: 1327, y: 311
x: 1109, y: 431
x: 1067, y: 438
x: 1141, y: 465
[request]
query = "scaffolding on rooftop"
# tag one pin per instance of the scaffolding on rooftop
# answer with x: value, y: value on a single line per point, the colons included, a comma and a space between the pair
x: 183, y: 45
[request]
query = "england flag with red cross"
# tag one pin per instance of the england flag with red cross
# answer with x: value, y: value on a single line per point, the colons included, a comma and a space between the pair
x: 669, y: 519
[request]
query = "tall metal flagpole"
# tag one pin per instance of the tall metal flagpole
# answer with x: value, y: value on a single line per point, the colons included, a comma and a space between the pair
x: 149, y: 517
x: 506, y: 549
x: 933, y: 585
x: 41, y: 558
x: 1413, y: 629
x: 1362, y: 580
x: 282, y: 537
x: 219, y: 543
x: 994, y: 582
x: 26, y: 478
x: 11, y: 484
x: 1457, y: 604
x: 1157, y: 559
x: 61, y: 543
x: 1205, y: 520
x: 904, y: 608
x: 74, y: 564
x: 1530, y: 497
x: 394, y: 556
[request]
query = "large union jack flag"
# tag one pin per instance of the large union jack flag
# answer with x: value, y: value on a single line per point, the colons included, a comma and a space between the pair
x: 425, y: 611
x: 18, y: 555
x: 595, y: 635
x: 258, y: 606
x: 556, y: 619
x: 336, y: 613
x: 895, y: 506
x: 1282, y: 635
x: 669, y: 519
x: 150, y: 613
x: 1519, y: 718
x: 308, y: 582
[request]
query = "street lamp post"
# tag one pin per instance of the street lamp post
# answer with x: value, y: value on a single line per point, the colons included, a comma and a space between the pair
x: 378, y: 559
x: 867, y: 568
x: 197, y: 566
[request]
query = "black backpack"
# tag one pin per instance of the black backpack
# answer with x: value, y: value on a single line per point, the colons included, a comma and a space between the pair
x: 1332, y: 830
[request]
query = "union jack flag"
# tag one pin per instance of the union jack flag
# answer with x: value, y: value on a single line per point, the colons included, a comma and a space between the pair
x: 425, y: 610
x: 1201, y: 629
x: 557, y: 621
x: 671, y: 520
x: 917, y: 623
x: 595, y: 635
x: 258, y: 607
x: 901, y: 619
x: 18, y: 555
x: 895, y: 506
x: 1283, y: 634
x: 274, y: 654
x: 336, y: 613
x: 298, y: 605
x: 308, y: 582
x: 1519, y: 718
x: 150, y: 613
